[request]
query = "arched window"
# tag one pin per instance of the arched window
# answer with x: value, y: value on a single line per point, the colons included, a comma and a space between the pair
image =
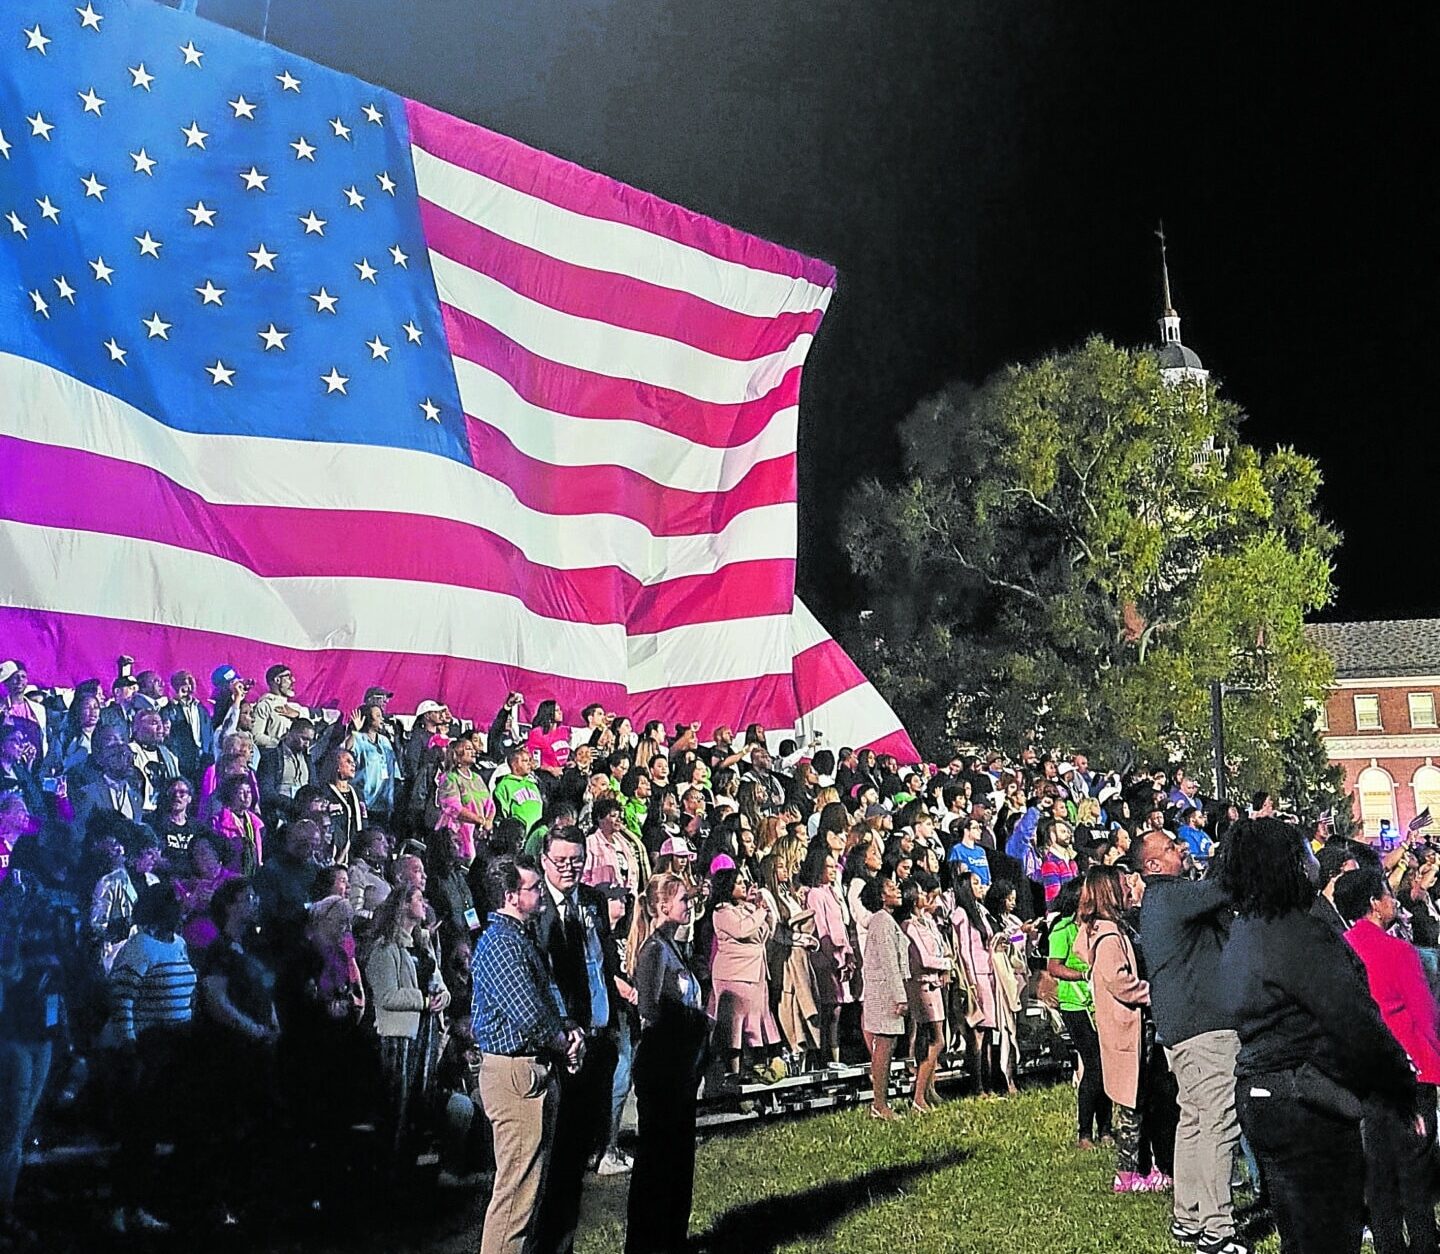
x: 1377, y: 798
x: 1426, y: 784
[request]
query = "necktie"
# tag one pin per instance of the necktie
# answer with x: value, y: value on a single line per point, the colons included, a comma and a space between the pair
x: 573, y: 981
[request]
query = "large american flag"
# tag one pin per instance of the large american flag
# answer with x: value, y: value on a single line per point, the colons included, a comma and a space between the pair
x: 293, y: 367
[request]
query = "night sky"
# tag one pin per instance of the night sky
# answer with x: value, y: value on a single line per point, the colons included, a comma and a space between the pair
x: 986, y: 178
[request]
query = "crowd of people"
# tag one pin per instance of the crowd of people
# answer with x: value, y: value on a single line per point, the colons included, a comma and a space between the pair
x: 247, y: 922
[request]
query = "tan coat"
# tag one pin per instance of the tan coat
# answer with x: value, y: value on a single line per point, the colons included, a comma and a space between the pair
x: 1119, y: 995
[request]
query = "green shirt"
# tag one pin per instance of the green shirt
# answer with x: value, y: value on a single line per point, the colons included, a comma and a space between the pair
x: 1072, y: 994
x: 519, y: 798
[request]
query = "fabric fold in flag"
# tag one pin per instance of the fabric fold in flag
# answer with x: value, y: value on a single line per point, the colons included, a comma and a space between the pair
x: 294, y: 366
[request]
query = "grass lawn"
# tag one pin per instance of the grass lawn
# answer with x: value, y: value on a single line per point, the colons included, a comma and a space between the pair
x: 979, y: 1175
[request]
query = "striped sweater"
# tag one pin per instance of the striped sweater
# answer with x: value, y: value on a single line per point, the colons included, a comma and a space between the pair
x: 152, y: 984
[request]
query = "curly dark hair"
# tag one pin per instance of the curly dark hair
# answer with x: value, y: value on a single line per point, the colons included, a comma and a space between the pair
x: 1264, y: 868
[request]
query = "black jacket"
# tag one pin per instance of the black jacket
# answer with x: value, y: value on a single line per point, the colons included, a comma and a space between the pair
x: 1184, y: 925
x: 1299, y: 994
x: 595, y: 910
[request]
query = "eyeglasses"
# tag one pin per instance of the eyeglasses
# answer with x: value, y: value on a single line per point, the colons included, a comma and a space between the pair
x: 562, y: 863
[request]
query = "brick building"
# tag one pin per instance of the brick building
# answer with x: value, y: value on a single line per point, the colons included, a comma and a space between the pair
x: 1379, y: 720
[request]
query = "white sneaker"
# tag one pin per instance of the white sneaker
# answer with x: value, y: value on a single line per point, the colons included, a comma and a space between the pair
x: 615, y: 1163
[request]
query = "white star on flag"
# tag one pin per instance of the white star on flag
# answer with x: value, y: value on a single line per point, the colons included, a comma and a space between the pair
x: 40, y: 306
x: 116, y: 352
x: 62, y: 285
x: 16, y: 226
x: 210, y: 294
x: 274, y: 338
x: 254, y: 180
x: 48, y: 210
x: 140, y: 76
x: 432, y: 411
x: 378, y: 349
x: 324, y: 302
x: 102, y: 271
x: 93, y: 187
x: 387, y: 184
x: 192, y: 54
x: 412, y: 332
x: 352, y: 194
x: 243, y: 108
x: 194, y: 136
x: 220, y: 373
x: 4, y: 146
x: 372, y: 114
x: 93, y: 103
x: 263, y: 258
x: 313, y: 225
x: 398, y: 257
x: 201, y: 215
x: 88, y: 17
x: 304, y: 150
x: 149, y: 247
x: 39, y: 126
x: 157, y: 326
x: 341, y: 130
x: 144, y: 162
x: 367, y: 271
x: 335, y: 382
x: 288, y: 82
x: 36, y: 40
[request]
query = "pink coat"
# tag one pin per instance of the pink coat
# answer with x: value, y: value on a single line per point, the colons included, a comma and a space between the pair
x: 834, y: 962
x: 740, y: 935
x: 1119, y: 995
x: 928, y: 964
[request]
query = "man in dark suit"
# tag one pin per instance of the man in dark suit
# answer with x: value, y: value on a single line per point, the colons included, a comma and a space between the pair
x: 108, y: 781
x: 572, y: 928
x: 189, y: 727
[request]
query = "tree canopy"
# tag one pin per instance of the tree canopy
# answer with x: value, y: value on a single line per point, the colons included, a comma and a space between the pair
x: 1077, y: 550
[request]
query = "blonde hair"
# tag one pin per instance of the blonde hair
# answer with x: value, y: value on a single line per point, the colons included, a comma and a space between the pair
x: 825, y: 796
x: 644, y: 751
x: 660, y: 888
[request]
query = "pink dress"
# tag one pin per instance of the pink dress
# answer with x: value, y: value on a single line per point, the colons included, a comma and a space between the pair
x: 973, y: 949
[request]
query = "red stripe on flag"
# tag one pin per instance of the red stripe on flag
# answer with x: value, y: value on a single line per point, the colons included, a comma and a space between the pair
x: 581, y: 393
x: 277, y: 542
x: 616, y: 299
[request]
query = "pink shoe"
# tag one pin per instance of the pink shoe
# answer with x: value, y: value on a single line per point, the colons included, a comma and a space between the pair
x: 1156, y: 1182
x: 1129, y: 1182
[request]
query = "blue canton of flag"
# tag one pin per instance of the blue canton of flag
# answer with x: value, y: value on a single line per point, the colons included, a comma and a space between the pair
x: 221, y: 234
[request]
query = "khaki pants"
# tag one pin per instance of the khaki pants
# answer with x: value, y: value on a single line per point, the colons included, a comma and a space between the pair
x: 1205, y: 1138
x: 520, y: 1098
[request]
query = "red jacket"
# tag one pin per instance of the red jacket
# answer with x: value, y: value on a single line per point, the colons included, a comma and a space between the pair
x: 1398, y: 985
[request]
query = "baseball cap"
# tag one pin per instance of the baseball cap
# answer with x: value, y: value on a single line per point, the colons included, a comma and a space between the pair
x: 427, y: 707
x: 7, y: 669
x: 375, y: 692
x: 676, y: 847
x: 875, y: 812
x: 223, y: 675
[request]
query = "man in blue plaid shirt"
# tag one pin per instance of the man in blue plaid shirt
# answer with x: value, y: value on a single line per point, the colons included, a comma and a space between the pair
x: 522, y: 1037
